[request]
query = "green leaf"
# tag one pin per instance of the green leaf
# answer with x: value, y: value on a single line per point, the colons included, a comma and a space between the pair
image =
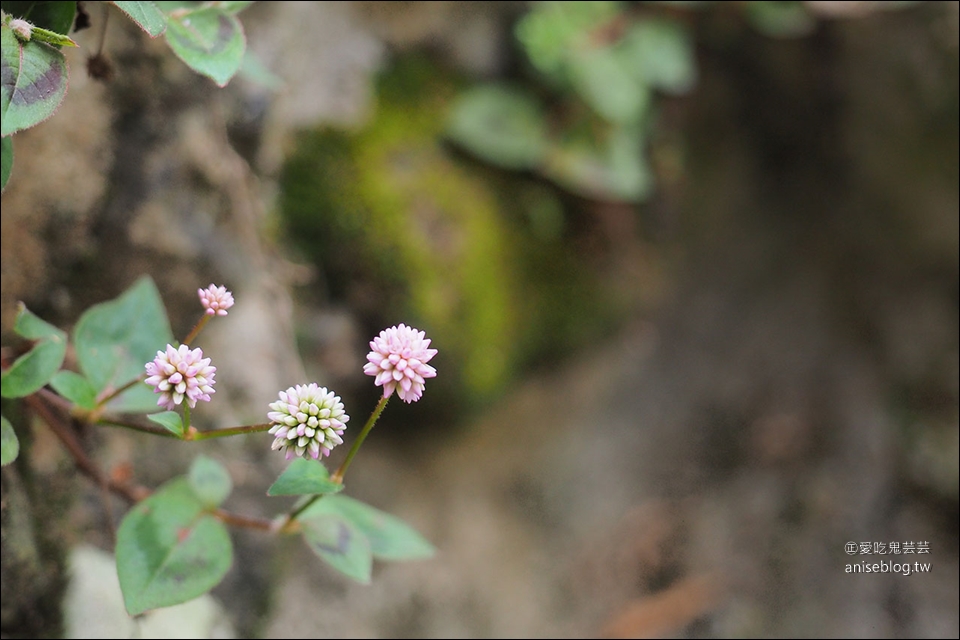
x: 75, y: 388
x: 209, y: 41
x: 551, y: 31
x: 34, y: 369
x: 606, y: 84
x: 6, y: 161
x: 114, y: 341
x: 210, y: 481
x: 304, y: 477
x: 53, y: 16
x: 617, y: 171
x: 338, y: 542
x: 33, y: 82
x: 390, y: 537
x: 9, y: 445
x: 780, y: 19
x: 170, y: 550
x: 146, y: 14
x: 169, y: 420
x: 660, y: 54
x: 500, y: 125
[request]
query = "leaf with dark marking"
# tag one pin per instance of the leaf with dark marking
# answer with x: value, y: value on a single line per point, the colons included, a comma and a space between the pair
x: 33, y: 81
x: 338, y: 542
x: 209, y: 40
x: 170, y: 549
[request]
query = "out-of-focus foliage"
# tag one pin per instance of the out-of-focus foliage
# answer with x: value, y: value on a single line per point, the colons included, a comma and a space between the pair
x: 401, y: 228
x: 601, y: 65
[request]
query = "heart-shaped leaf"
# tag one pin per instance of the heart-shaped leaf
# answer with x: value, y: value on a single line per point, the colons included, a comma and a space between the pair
x: 170, y: 549
x: 33, y: 82
x: 209, y: 40
x: 115, y: 340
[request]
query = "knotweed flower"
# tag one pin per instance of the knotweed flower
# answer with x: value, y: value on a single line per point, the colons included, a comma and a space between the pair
x: 216, y: 300
x: 307, y: 419
x: 181, y: 373
x: 399, y: 362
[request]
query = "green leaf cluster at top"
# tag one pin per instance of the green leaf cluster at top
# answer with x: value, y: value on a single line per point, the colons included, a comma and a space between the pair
x: 591, y: 53
x: 207, y: 36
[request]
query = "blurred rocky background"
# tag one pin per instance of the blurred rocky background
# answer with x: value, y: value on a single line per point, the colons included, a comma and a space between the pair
x: 670, y: 390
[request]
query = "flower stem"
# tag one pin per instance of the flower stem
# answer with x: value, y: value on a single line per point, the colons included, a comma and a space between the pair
x: 193, y: 434
x: 201, y: 323
x: 157, y: 430
x: 339, y: 473
x: 286, y: 524
x: 102, y: 402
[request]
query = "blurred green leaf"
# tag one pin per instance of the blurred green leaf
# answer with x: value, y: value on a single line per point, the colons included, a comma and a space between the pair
x: 660, y: 54
x: 75, y: 388
x: 6, y: 161
x: 390, y: 537
x: 114, y: 341
x: 304, y: 477
x: 33, y: 369
x: 210, y: 41
x: 616, y: 170
x: 170, y: 550
x: 169, y: 420
x: 34, y: 82
x: 501, y: 125
x: 607, y: 85
x: 9, y: 444
x: 147, y: 15
x: 340, y: 543
x: 552, y: 32
x: 210, y: 481
x: 780, y: 19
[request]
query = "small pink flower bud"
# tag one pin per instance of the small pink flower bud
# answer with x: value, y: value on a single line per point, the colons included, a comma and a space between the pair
x: 216, y: 300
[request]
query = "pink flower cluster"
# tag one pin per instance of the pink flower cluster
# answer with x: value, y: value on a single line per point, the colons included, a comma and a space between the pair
x: 399, y: 359
x: 307, y: 420
x: 181, y: 373
x: 216, y: 300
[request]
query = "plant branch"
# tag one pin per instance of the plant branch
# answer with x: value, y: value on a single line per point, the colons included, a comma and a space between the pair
x: 193, y: 434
